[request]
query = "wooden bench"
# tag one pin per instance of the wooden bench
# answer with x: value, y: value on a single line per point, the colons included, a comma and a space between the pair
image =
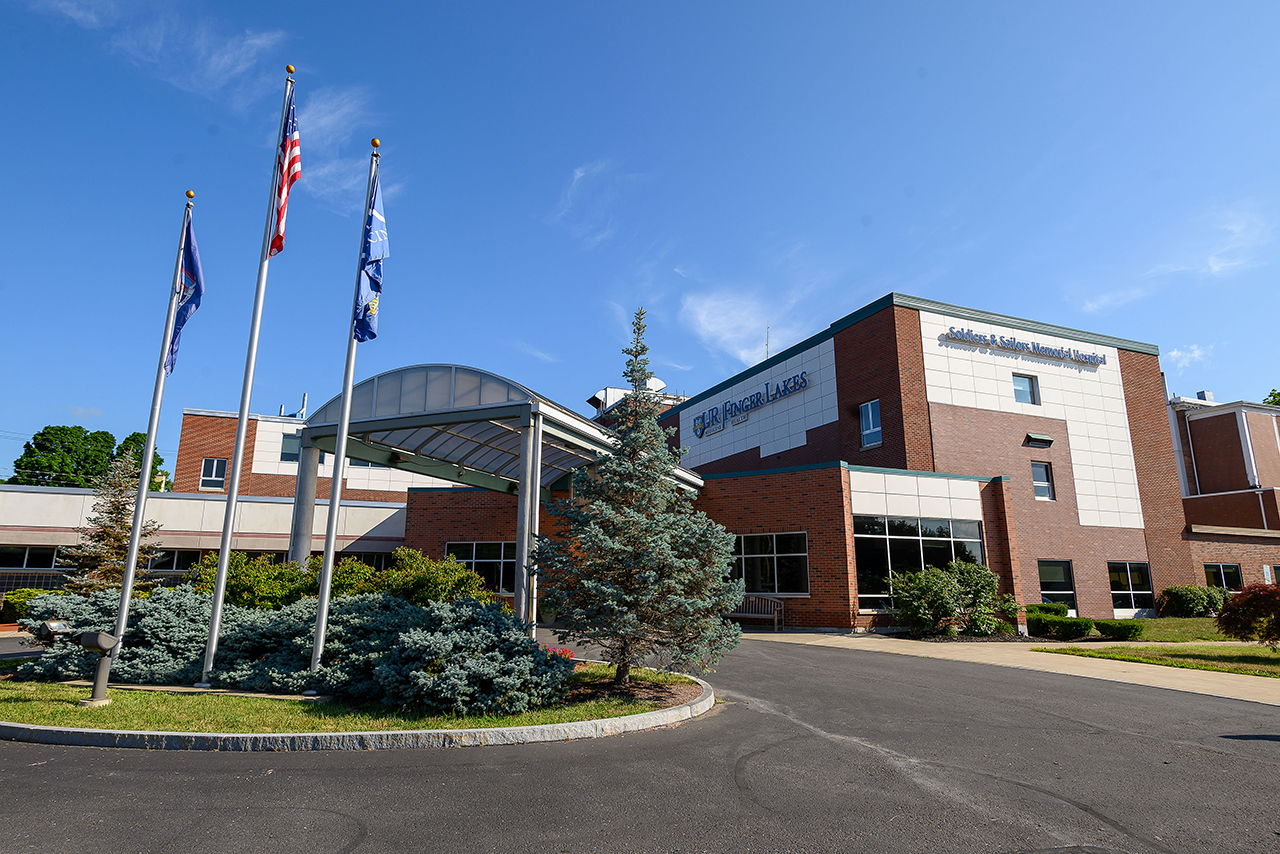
x: 758, y: 606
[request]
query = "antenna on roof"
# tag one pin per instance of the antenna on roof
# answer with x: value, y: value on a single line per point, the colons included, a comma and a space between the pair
x: 766, y: 339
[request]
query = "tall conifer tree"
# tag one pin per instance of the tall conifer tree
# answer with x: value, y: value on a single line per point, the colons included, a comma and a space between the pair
x: 637, y: 570
x: 98, y: 561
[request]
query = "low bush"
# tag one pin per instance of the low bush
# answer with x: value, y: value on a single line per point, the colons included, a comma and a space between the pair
x: 256, y: 583
x: 958, y: 598
x: 1190, y: 600
x: 1253, y: 614
x: 1119, y: 629
x: 16, y: 601
x: 1004, y: 627
x: 1058, y: 628
x: 1054, y: 609
x: 466, y: 657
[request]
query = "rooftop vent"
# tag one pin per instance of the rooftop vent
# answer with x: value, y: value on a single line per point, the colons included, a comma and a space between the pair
x: 1206, y: 396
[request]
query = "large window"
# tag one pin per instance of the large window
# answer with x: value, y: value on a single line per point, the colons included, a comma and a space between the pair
x: 773, y: 563
x: 28, y: 557
x: 1130, y: 585
x: 1026, y: 389
x: 290, y: 448
x: 869, y: 419
x: 213, y: 473
x: 1056, y: 582
x: 1224, y: 575
x: 887, y: 545
x: 1042, y: 480
x: 174, y: 561
x: 494, y: 562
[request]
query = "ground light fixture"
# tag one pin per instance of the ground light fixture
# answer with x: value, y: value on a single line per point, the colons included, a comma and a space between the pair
x: 101, y: 643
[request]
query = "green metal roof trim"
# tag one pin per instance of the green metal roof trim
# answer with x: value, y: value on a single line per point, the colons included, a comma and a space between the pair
x: 850, y: 467
x: 919, y: 304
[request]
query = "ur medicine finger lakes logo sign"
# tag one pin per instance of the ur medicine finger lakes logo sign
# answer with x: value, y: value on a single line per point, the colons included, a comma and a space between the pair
x: 736, y: 411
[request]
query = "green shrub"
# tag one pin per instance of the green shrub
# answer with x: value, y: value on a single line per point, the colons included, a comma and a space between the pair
x: 959, y: 597
x: 1058, y: 628
x: 16, y: 601
x: 1004, y: 627
x: 417, y: 578
x: 1190, y: 600
x: 467, y: 657
x: 256, y: 583
x: 1253, y: 614
x: 1119, y: 629
x: 1054, y: 609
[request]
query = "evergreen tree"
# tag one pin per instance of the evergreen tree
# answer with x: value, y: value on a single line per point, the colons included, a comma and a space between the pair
x: 637, y: 570
x: 99, y: 559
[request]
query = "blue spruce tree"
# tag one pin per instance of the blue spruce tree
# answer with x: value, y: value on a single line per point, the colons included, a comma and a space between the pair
x: 637, y: 571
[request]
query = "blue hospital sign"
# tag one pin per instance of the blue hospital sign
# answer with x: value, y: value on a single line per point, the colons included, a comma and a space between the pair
x: 736, y: 411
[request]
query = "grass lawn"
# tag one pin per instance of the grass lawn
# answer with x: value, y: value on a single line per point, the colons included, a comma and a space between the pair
x: 1249, y: 660
x: 1180, y: 630
x: 53, y: 704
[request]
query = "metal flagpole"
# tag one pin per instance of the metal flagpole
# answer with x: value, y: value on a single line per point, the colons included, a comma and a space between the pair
x: 242, y: 422
x: 344, y: 422
x: 144, y: 478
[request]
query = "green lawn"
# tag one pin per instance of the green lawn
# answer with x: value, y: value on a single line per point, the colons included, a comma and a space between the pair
x: 1180, y: 630
x: 1249, y: 660
x: 52, y: 704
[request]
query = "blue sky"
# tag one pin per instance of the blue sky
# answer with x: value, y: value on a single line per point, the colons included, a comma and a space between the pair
x: 549, y: 167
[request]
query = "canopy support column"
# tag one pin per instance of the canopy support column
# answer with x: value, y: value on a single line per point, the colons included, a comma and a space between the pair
x: 527, y: 506
x: 304, y: 505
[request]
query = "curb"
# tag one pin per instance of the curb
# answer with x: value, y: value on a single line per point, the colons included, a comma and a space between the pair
x: 386, y: 740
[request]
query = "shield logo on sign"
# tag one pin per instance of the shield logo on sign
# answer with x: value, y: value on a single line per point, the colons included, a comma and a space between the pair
x: 699, y: 424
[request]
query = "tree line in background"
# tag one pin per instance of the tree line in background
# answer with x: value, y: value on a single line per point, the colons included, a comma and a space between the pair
x: 69, y: 455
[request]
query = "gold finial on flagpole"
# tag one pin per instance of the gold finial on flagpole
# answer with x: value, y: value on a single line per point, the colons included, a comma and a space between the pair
x: 191, y: 194
x: 289, y: 68
x: 375, y: 142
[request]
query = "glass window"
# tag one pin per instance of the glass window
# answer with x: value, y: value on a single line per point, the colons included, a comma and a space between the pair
x: 1042, y: 480
x: 13, y: 556
x: 290, y: 448
x: 213, y: 474
x: 1130, y: 585
x: 885, y: 546
x: 494, y: 562
x: 776, y: 564
x: 1026, y: 389
x: 1224, y: 575
x: 41, y: 558
x: 1057, y: 583
x: 869, y: 417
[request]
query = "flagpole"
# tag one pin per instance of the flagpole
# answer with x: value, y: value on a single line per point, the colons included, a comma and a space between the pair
x: 144, y: 478
x: 246, y: 392
x: 344, y: 422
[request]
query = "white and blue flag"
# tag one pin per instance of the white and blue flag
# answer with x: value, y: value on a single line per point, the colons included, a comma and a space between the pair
x: 372, y: 250
x: 192, y: 281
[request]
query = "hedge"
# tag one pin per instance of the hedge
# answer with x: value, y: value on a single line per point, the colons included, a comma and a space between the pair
x: 17, y: 601
x: 1190, y: 600
x: 1055, y: 609
x: 465, y: 657
x: 1058, y: 628
x: 1119, y: 629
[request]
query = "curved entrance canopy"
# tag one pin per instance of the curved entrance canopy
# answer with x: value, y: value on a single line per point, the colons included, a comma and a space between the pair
x: 462, y: 425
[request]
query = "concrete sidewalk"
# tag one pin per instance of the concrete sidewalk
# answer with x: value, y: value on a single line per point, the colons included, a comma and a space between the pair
x: 1257, y: 689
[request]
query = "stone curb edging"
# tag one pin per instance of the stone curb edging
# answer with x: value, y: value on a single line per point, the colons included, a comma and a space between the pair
x: 388, y: 740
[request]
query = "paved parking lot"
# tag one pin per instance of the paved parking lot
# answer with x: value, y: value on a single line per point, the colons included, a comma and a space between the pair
x: 815, y: 748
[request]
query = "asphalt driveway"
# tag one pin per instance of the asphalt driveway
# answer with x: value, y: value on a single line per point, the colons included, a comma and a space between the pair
x: 813, y: 749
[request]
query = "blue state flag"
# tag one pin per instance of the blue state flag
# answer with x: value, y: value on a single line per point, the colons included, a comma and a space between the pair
x: 192, y: 282
x: 373, y: 249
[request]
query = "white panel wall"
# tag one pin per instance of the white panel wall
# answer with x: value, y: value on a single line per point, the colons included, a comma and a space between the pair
x: 1090, y: 398
x: 885, y: 494
x: 777, y: 427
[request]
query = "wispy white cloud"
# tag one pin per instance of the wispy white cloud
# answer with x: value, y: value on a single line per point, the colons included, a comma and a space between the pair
x: 737, y: 323
x: 675, y: 366
x: 1246, y: 233
x: 585, y: 203
x: 327, y: 120
x: 1115, y: 299
x: 84, y: 411
x: 1183, y: 357
x: 535, y: 352
x: 90, y: 14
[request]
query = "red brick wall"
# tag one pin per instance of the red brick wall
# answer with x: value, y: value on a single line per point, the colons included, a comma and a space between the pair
x: 1232, y: 510
x: 814, y: 501
x: 1219, y: 454
x: 1188, y: 461
x: 463, y: 515
x: 988, y: 444
x: 1266, y: 454
x: 1249, y: 552
x: 1153, y: 457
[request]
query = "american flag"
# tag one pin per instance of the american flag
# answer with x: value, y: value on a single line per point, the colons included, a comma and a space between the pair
x: 288, y: 168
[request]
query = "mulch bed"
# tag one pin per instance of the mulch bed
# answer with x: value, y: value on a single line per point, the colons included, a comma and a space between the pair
x: 664, y: 695
x: 965, y: 638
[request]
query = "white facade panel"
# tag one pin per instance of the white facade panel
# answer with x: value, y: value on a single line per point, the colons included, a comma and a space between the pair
x: 1088, y: 397
x: 777, y: 426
